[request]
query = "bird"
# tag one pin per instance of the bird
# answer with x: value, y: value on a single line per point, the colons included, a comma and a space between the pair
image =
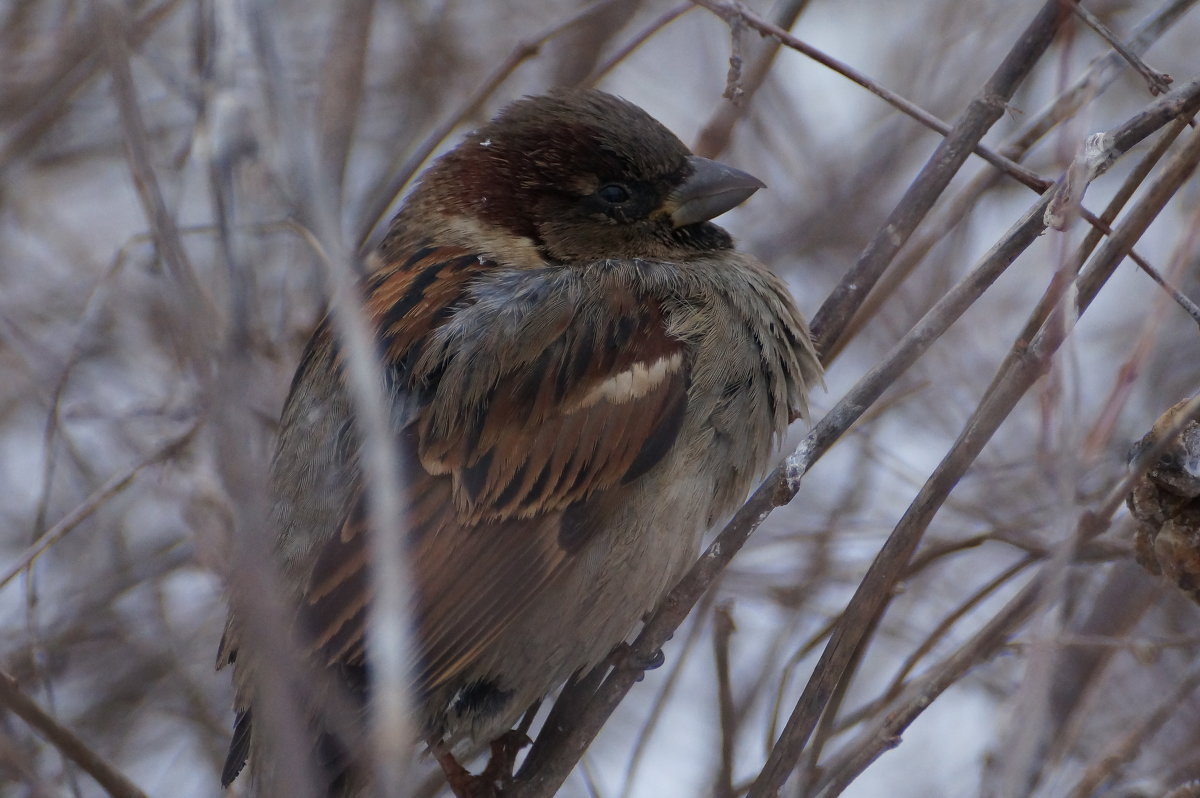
x: 583, y: 376
x: 1165, y: 500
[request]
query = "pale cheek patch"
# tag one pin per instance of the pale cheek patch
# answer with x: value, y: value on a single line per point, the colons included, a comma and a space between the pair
x: 633, y: 383
x: 585, y: 184
x: 503, y: 246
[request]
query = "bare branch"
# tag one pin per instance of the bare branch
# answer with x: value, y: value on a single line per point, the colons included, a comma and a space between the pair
x: 75, y: 749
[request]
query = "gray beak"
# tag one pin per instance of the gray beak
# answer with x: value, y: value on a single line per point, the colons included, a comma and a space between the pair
x: 711, y: 190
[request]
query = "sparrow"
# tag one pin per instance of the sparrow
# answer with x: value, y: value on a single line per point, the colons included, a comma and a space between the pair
x: 584, y: 375
x: 1165, y: 503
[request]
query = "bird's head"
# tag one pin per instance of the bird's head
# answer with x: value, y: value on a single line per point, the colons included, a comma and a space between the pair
x: 581, y: 175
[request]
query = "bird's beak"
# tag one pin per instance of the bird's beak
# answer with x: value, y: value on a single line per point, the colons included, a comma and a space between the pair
x: 709, y: 191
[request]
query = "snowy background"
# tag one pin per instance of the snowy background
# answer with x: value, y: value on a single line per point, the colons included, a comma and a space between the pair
x: 135, y: 424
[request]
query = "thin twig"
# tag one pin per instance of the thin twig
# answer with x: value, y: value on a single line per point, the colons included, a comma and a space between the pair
x: 641, y: 747
x: 1101, y: 431
x: 642, y: 36
x: 1098, y: 77
x: 1102, y: 72
x: 50, y: 100
x: 985, y: 109
x: 190, y: 302
x: 723, y: 629
x: 808, y: 767
x: 1158, y: 82
x: 884, y: 734
x: 390, y: 725
x: 716, y: 133
x: 1024, y: 366
x: 1091, y: 646
x: 342, y: 86
x: 739, y: 14
x: 382, y: 197
x: 111, y: 487
x: 72, y: 747
x: 939, y: 631
x: 1189, y: 307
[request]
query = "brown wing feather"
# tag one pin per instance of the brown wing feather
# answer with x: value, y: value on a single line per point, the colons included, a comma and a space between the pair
x: 560, y: 397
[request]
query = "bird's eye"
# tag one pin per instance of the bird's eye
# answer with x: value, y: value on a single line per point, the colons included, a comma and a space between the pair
x: 613, y: 193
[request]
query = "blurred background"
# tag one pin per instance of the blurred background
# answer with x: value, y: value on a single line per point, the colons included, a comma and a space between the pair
x: 171, y: 170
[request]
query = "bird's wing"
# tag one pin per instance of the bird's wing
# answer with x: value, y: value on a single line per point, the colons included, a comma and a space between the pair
x: 519, y: 396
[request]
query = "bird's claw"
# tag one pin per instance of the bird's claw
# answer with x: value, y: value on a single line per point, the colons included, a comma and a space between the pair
x: 624, y: 656
x: 495, y: 778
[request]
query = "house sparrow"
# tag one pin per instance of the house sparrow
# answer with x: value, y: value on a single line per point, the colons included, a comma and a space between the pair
x: 1165, y: 503
x: 585, y: 375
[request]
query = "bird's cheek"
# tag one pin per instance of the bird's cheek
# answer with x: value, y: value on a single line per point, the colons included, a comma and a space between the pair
x: 574, y: 238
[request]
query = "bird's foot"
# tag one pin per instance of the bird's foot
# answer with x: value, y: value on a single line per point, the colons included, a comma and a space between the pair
x: 624, y: 656
x: 494, y: 779
x: 463, y: 783
x: 505, y: 748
